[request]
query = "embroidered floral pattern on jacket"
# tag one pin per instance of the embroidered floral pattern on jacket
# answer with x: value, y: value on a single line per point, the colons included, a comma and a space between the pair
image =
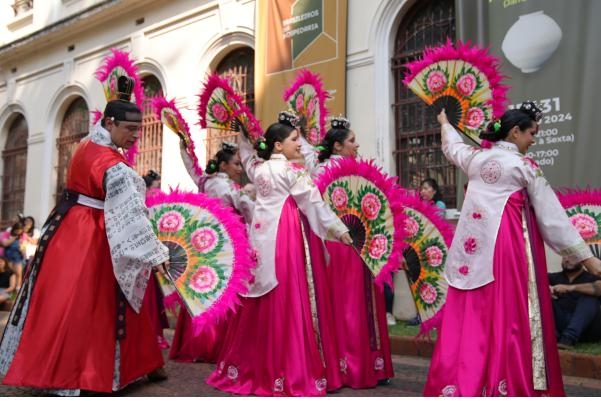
x: 471, y: 245
x: 263, y: 184
x: 491, y: 171
x: 478, y: 214
x: 464, y: 270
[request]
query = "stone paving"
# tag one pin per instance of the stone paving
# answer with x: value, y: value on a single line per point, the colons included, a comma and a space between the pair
x: 187, y: 380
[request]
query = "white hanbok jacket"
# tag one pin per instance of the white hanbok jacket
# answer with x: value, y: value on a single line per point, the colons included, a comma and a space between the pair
x: 220, y: 186
x: 494, y: 174
x: 276, y: 179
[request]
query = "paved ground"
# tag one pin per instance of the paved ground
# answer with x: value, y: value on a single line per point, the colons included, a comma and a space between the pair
x: 187, y: 380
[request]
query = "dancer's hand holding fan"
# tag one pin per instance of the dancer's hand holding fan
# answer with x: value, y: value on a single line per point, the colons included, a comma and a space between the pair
x: 222, y: 108
x: 367, y: 201
x: 464, y: 80
x: 210, y: 254
x: 307, y: 99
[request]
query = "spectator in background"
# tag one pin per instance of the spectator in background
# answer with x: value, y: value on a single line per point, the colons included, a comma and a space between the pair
x: 8, y: 281
x: 11, y: 241
x: 428, y: 191
x: 30, y: 238
x: 575, y: 308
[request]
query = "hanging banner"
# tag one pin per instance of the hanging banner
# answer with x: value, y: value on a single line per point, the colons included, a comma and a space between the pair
x: 551, y: 54
x: 293, y: 35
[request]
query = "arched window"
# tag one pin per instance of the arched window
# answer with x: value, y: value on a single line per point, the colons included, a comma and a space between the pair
x: 150, y: 146
x: 14, y: 159
x: 238, y: 67
x: 418, y: 151
x: 74, y: 127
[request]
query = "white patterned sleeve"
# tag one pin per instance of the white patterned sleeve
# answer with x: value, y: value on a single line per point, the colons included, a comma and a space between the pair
x: 134, y: 247
x: 309, y: 153
x: 555, y: 227
x: 454, y: 149
x: 248, y: 156
x: 242, y: 203
x: 322, y: 219
x: 188, y: 162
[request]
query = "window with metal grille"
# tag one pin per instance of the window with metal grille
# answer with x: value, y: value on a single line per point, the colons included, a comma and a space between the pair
x: 74, y: 127
x: 150, y: 145
x: 238, y: 67
x: 418, y: 151
x: 14, y: 159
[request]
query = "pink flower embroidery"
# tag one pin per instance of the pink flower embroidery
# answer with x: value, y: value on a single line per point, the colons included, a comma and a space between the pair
x: 321, y: 384
x: 219, y: 112
x: 204, y: 240
x: 378, y: 246
x: 470, y: 245
x: 585, y: 224
x: 477, y: 216
x: 466, y: 84
x: 428, y: 293
x: 434, y: 256
x: 257, y: 226
x: 171, y: 222
x: 449, y: 390
x: 503, y: 387
x: 491, y: 171
x: 263, y: 185
x: 411, y: 226
x: 436, y: 81
x: 474, y: 117
x: 339, y: 198
x: 232, y: 372
x: 379, y: 363
x: 463, y: 270
x: 370, y: 206
x: 278, y: 385
x: 205, y: 279
x: 300, y: 101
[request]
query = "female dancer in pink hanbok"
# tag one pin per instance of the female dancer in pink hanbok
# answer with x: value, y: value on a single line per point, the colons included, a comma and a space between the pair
x: 220, y: 181
x: 497, y: 334
x: 281, y: 342
x: 357, y: 304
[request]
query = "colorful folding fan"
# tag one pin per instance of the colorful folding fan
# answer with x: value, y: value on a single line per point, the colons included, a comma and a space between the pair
x: 583, y: 207
x: 113, y: 66
x: 307, y: 99
x: 210, y: 254
x: 429, y: 237
x: 166, y: 111
x: 221, y: 107
x: 367, y: 201
x: 463, y: 79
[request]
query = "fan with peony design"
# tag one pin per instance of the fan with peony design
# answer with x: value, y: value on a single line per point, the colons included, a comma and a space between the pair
x: 116, y: 64
x: 166, y: 111
x: 429, y: 237
x: 210, y: 254
x: 367, y: 201
x: 222, y: 108
x: 306, y: 98
x: 464, y: 80
x: 583, y: 207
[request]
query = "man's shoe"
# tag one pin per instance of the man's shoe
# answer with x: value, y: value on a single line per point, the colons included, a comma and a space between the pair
x: 416, y: 321
x: 157, y: 375
x: 390, y: 319
x: 566, y: 343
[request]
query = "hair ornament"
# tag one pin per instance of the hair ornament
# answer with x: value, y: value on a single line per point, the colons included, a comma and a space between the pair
x: 229, y: 147
x: 262, y: 144
x: 496, y: 126
x: 531, y: 108
x: 213, y: 164
x: 288, y: 118
x: 321, y: 148
x: 340, y: 122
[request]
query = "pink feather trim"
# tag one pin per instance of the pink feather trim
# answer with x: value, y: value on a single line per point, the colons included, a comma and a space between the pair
x: 367, y: 169
x: 120, y: 59
x: 569, y: 197
x: 241, y: 112
x: 478, y: 57
x: 435, y: 322
x: 244, y: 260
x: 306, y: 77
x: 158, y: 105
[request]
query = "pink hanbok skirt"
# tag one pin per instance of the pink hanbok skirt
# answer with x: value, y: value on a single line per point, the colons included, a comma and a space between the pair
x: 205, y: 347
x: 275, y: 345
x: 484, y: 344
x: 359, y: 308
